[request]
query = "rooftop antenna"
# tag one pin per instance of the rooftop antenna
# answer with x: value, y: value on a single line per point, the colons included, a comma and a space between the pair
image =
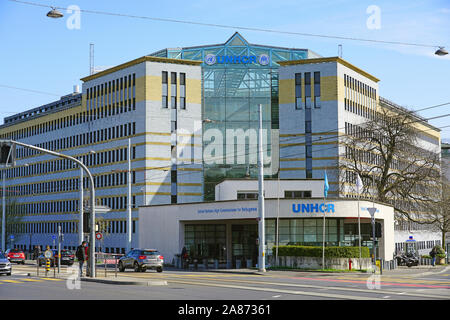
x: 91, y: 58
x: 340, y: 51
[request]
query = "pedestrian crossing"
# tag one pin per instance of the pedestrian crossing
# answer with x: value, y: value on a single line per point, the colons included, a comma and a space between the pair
x: 27, y: 280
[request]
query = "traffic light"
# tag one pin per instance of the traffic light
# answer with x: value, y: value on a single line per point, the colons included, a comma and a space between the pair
x: 378, y: 230
x: 7, y: 153
x: 86, y: 222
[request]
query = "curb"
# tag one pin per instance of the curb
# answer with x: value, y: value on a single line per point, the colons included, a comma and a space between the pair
x: 127, y: 282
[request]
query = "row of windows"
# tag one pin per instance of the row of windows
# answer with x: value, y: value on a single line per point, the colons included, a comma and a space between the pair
x: 82, y: 139
x: 70, y: 184
x: 104, y: 99
x: 69, y: 99
x: 359, y: 87
x: 68, y: 121
x: 67, y: 206
x: 53, y: 166
x: 173, y: 90
x: 307, y: 82
x: 359, y: 109
x: 66, y: 227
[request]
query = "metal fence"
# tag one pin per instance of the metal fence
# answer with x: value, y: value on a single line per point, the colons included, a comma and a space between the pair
x: 106, y: 260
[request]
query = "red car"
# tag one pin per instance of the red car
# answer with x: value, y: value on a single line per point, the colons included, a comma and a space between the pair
x: 15, y: 255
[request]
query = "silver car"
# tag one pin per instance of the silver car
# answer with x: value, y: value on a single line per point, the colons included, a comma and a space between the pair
x: 141, y: 260
x: 5, y: 265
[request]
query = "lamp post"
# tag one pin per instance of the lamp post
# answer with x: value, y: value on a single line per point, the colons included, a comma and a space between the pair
x: 57, y: 154
x: 261, y: 224
x: 3, y: 210
x: 441, y: 51
x: 54, y: 13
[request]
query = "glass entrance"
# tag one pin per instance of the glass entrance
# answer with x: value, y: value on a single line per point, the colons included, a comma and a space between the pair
x: 244, y: 246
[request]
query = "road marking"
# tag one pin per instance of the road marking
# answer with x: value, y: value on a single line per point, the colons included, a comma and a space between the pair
x: 277, y: 296
x: 11, y: 281
x: 386, y: 297
x: 51, y: 279
x: 31, y: 280
x: 171, y: 278
x: 304, y: 293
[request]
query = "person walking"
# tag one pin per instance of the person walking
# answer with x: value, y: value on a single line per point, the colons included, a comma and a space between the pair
x: 433, y: 254
x: 36, y: 253
x: 184, y: 258
x: 81, y: 256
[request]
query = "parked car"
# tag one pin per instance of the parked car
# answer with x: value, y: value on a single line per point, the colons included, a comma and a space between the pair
x: 5, y: 265
x: 141, y: 260
x: 15, y: 255
x: 67, y: 257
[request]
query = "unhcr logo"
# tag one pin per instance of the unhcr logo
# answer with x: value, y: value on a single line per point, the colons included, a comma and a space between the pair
x: 312, y: 207
x: 262, y: 59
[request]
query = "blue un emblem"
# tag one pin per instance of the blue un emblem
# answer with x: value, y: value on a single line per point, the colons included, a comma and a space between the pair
x: 210, y: 59
x: 264, y: 59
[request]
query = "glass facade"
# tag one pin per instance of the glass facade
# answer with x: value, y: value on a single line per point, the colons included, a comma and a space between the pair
x: 209, y: 240
x: 206, y: 240
x: 236, y: 78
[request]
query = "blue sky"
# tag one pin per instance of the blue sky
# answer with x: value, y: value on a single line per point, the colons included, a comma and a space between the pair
x: 42, y: 54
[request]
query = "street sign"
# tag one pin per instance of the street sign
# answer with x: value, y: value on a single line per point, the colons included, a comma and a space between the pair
x: 98, y: 236
x: 12, y: 237
x: 372, y: 211
x: 48, y: 254
x: 53, y: 237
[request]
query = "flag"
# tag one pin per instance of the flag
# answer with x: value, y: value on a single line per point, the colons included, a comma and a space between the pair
x: 325, y: 185
x: 359, y: 184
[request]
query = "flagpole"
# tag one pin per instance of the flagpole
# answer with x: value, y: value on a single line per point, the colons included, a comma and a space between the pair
x: 323, y: 237
x: 359, y: 232
x: 325, y: 193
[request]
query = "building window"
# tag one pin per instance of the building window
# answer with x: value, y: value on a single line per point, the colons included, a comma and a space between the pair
x: 316, y: 89
x: 164, y: 90
x: 298, y: 91
x: 173, y: 90
x: 182, y: 91
x: 247, y: 195
x: 297, y: 194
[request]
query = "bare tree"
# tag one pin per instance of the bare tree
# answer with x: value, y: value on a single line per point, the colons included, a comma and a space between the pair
x: 387, y: 154
x: 13, y: 219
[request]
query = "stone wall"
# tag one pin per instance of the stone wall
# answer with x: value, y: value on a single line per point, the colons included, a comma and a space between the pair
x: 316, y: 263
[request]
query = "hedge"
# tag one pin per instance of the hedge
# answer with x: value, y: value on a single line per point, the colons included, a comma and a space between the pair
x: 330, y: 252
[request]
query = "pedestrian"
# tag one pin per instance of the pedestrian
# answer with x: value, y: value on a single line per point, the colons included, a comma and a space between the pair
x: 433, y: 254
x: 36, y: 253
x: 88, y: 267
x: 184, y: 257
x: 81, y: 256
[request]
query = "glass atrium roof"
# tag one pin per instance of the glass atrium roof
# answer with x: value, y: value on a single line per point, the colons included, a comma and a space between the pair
x: 236, y: 45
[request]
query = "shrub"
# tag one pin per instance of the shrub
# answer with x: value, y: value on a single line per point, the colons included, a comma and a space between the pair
x: 330, y: 252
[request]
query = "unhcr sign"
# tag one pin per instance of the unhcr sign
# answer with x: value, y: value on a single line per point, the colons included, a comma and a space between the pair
x: 262, y: 59
x: 312, y: 207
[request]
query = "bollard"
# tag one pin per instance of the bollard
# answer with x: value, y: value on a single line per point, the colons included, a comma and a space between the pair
x: 47, y: 266
x: 349, y: 264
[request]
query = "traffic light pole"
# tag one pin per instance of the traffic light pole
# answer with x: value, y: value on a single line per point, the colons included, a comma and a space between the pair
x: 91, y: 179
x: 3, y: 211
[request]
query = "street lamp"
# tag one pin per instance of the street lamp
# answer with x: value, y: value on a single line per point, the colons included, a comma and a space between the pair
x: 54, y: 13
x: 441, y: 51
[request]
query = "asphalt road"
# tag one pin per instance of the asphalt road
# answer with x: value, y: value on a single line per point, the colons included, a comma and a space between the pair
x: 195, y: 286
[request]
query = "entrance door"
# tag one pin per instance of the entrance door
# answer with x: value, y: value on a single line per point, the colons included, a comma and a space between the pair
x: 244, y: 239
